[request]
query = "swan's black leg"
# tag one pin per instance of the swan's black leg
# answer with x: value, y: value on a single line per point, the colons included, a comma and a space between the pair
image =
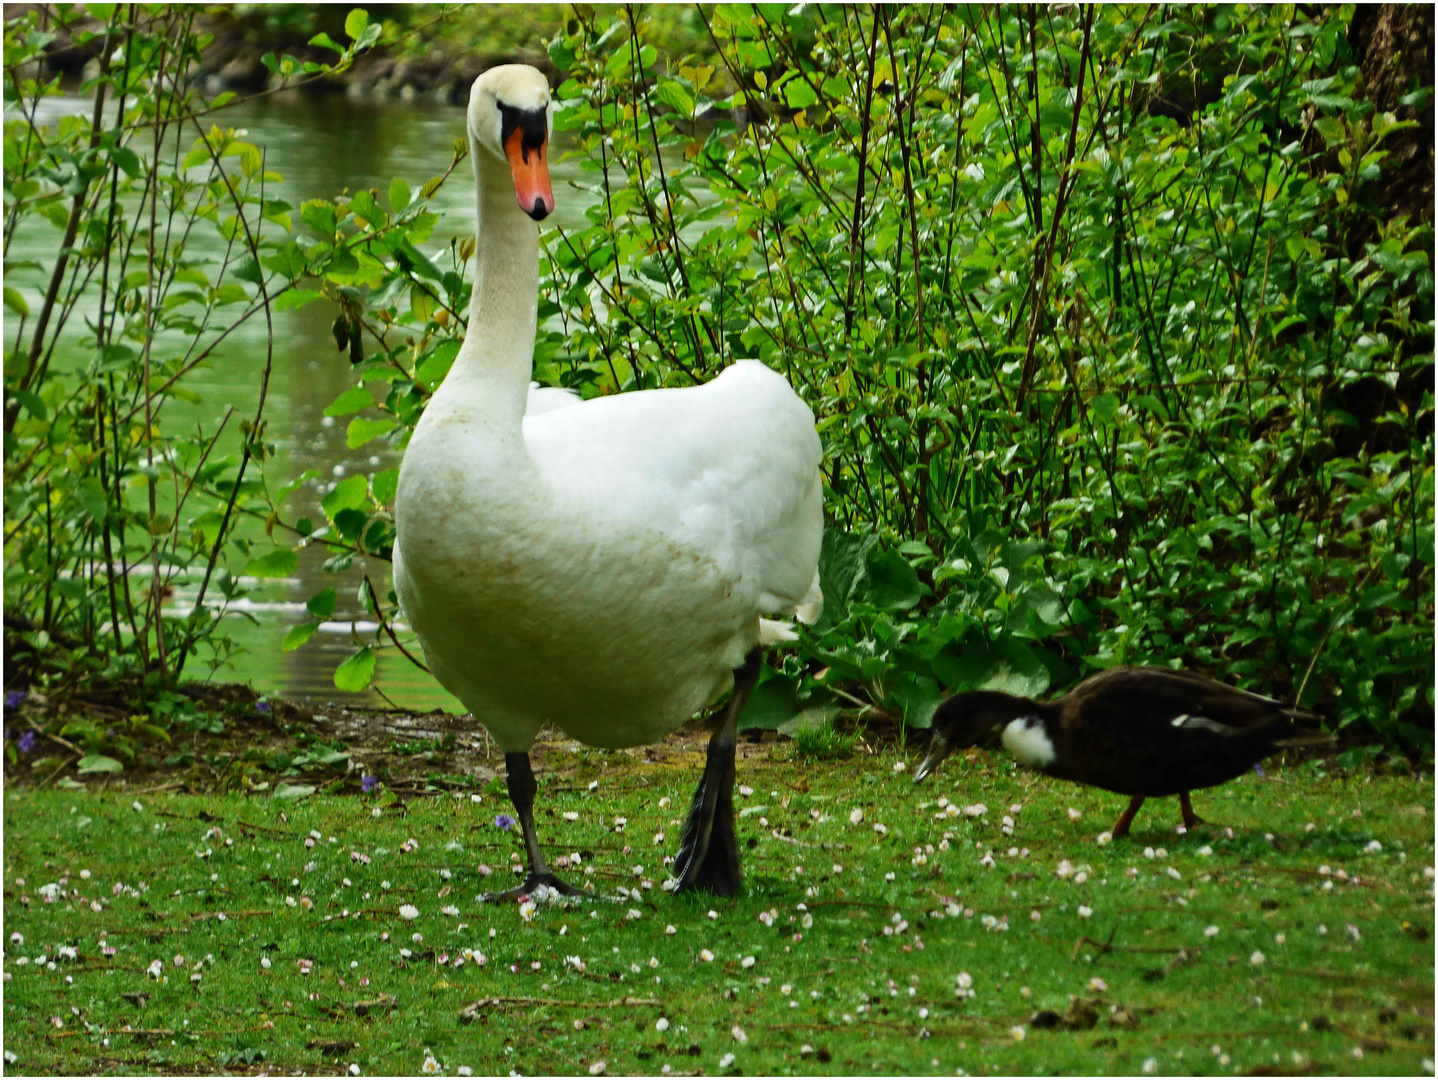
x: 709, y: 853
x: 521, y: 792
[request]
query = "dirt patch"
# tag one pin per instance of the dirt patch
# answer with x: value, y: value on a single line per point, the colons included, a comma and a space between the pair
x: 229, y: 738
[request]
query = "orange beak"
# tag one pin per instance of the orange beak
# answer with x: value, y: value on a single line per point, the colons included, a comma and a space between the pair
x: 530, y: 168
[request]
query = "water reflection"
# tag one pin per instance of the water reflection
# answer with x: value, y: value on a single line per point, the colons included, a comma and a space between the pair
x: 320, y: 145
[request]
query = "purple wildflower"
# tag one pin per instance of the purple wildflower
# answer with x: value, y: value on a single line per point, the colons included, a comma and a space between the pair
x: 14, y: 698
x: 263, y: 705
x: 1259, y: 770
x: 504, y: 821
x: 368, y: 783
x: 27, y: 742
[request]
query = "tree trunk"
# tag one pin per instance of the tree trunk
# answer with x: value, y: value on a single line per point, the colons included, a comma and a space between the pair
x: 1393, y: 45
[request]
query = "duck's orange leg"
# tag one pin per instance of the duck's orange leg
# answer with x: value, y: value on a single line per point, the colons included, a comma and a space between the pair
x: 1120, y: 828
x: 1190, y: 819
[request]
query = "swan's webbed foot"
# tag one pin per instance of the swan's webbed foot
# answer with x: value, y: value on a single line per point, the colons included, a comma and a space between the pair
x: 532, y: 881
x: 709, y: 852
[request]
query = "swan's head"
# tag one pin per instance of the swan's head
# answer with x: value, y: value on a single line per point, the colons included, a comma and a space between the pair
x: 509, y: 117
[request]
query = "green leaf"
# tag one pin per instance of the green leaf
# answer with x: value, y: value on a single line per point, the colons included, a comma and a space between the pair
x: 1105, y: 407
x: 283, y: 562
x: 348, y: 494
x: 893, y: 584
x: 361, y: 431
x: 33, y: 404
x: 432, y: 369
x: 293, y: 791
x: 399, y: 194
x: 352, y: 400
x: 319, y: 215
x: 770, y: 704
x: 384, y: 485
x: 798, y: 94
x: 294, y: 298
x: 357, y: 672
x: 676, y: 97
x: 324, y: 41
x: 15, y: 302
x: 298, y: 635
x: 322, y: 604
x: 356, y: 22
x: 98, y: 763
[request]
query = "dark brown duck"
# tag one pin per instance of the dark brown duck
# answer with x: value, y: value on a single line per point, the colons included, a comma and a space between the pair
x: 1140, y: 731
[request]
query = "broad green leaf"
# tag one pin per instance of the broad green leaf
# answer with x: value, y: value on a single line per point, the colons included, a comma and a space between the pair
x: 283, y: 562
x: 384, y: 485
x: 399, y: 195
x: 893, y: 585
x: 770, y: 704
x: 361, y: 431
x: 676, y: 97
x: 356, y: 22
x: 357, y: 672
x: 98, y: 763
x: 293, y: 298
x: 348, y: 494
x: 352, y: 400
x: 322, y: 604
x: 15, y: 302
x: 293, y: 791
x: 298, y: 635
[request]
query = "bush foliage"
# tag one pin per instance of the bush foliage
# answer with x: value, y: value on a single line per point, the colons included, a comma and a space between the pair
x: 1116, y: 355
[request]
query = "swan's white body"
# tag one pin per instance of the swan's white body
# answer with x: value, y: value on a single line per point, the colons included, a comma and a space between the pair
x: 603, y: 565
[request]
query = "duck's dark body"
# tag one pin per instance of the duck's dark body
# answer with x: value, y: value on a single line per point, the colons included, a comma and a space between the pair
x: 1116, y: 731
x: 1144, y: 732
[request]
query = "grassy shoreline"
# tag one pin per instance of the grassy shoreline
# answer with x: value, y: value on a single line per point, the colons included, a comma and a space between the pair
x: 1357, y: 998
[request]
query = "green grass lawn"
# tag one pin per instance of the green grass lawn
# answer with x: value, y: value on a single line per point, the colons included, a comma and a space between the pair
x: 1299, y: 944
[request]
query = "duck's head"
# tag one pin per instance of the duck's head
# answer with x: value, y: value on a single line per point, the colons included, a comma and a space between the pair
x: 509, y: 117
x: 965, y: 720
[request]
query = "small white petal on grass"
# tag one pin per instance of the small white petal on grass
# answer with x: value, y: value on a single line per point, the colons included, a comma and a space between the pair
x: 738, y: 1033
x: 856, y: 815
x: 1150, y: 1065
x: 706, y: 955
x: 408, y: 911
x: 1085, y: 911
x: 726, y: 1061
x: 1257, y: 958
x: 1211, y: 931
x: 1097, y: 985
x: 1018, y: 1032
x: 597, y: 1069
x: 1074, y: 815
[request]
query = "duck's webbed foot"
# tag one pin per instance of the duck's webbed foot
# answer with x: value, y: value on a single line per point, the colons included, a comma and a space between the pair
x: 1190, y: 819
x: 709, y: 852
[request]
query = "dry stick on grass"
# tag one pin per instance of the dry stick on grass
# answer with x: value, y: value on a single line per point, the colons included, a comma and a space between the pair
x: 473, y: 1009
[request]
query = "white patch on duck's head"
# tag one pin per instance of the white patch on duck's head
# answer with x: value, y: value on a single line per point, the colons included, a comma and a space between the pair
x: 1028, y: 741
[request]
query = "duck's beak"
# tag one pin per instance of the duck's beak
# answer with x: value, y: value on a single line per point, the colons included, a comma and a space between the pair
x: 530, y: 168
x: 938, y: 750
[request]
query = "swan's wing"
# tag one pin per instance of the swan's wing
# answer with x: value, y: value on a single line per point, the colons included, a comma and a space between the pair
x: 543, y: 399
x: 729, y: 469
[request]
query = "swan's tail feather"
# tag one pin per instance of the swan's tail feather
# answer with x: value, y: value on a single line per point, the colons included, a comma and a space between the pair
x: 774, y: 632
x: 812, y: 605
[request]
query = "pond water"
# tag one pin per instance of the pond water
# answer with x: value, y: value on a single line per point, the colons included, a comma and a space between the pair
x: 319, y: 145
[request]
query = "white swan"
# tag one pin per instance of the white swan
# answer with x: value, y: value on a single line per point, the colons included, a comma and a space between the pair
x: 604, y: 565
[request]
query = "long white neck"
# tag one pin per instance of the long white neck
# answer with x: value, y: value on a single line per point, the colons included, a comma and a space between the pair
x: 490, y: 376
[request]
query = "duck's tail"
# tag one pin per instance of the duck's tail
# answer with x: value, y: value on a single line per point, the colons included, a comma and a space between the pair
x: 1307, y: 738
